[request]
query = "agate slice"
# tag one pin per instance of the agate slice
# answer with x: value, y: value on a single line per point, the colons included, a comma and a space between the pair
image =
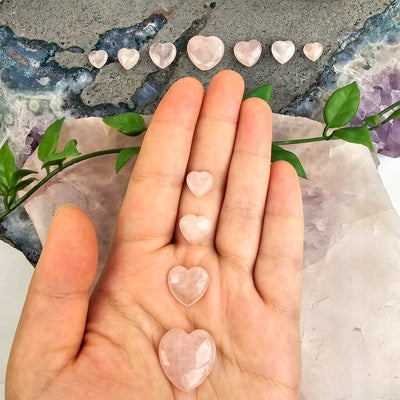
x: 187, y: 359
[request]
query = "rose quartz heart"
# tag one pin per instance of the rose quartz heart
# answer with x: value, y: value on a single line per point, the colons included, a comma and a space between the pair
x: 283, y: 51
x: 199, y: 182
x: 188, y: 285
x: 313, y: 51
x: 248, y: 53
x: 162, y: 54
x: 128, y: 58
x: 187, y: 359
x: 205, y: 52
x: 98, y: 58
x: 195, y: 228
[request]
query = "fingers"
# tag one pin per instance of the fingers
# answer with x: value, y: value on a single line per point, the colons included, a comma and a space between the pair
x: 212, y: 146
x: 53, y: 319
x: 149, y: 210
x: 242, y: 212
x: 277, y: 273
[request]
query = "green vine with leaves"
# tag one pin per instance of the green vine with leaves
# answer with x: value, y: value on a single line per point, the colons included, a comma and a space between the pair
x: 339, y: 111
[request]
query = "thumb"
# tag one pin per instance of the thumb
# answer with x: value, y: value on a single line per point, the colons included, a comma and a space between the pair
x: 53, y: 319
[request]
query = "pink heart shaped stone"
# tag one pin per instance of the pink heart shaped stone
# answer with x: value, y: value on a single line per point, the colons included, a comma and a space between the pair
x: 98, y: 58
x: 187, y: 359
x: 283, y: 51
x: 188, y: 285
x: 248, y: 53
x: 313, y: 51
x: 205, y: 52
x: 195, y: 228
x: 162, y: 54
x: 199, y: 182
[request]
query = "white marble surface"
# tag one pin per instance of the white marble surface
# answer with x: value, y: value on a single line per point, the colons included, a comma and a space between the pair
x: 15, y: 273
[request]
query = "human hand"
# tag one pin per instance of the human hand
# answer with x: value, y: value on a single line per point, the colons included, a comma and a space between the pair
x: 70, y: 346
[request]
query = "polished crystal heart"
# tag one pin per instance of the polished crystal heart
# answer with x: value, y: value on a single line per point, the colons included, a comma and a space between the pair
x: 205, y: 52
x: 128, y: 58
x: 162, y: 54
x: 313, y: 51
x: 188, y: 285
x: 187, y: 359
x: 195, y: 228
x: 283, y: 51
x: 98, y: 58
x: 199, y: 182
x: 248, y: 53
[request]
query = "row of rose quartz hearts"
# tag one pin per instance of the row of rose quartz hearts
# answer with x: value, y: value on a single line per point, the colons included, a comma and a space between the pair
x: 207, y: 51
x: 187, y: 359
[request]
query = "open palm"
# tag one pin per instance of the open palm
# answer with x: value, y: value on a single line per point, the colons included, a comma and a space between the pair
x: 72, y: 346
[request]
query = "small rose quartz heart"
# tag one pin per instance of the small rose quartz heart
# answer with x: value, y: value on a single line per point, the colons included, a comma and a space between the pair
x: 313, y: 51
x: 187, y: 359
x: 199, y: 182
x: 162, y: 54
x: 188, y: 285
x: 205, y: 52
x: 283, y: 51
x: 195, y: 228
x: 128, y: 58
x: 98, y: 58
x: 248, y: 53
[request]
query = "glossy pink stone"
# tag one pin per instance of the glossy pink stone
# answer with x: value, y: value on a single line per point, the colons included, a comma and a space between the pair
x: 187, y: 359
x: 162, y: 54
x: 98, y: 58
x: 128, y: 58
x: 205, y: 52
x: 199, y: 182
x: 313, y: 51
x: 248, y: 53
x: 188, y: 285
x: 195, y: 228
x: 283, y: 51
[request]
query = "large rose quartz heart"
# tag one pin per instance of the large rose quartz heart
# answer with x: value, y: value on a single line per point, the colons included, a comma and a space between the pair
x: 313, y: 51
x: 283, y: 51
x: 187, y: 359
x: 195, y: 228
x: 205, y: 52
x: 128, y: 58
x: 162, y: 54
x: 188, y: 285
x: 98, y: 58
x: 248, y: 53
x: 199, y: 182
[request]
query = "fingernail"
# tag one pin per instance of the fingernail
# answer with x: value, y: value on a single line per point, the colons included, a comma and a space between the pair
x: 63, y: 206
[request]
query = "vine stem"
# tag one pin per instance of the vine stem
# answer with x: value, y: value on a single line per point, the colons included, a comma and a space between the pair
x: 54, y: 172
x: 308, y: 140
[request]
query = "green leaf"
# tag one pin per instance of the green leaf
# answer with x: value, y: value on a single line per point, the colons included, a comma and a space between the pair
x: 69, y: 151
x: 3, y: 189
x: 278, y: 153
x: 342, y: 106
x: 394, y: 115
x: 131, y: 124
x: 23, y: 184
x: 263, y: 92
x: 21, y: 173
x: 372, y: 120
x: 7, y: 165
x: 358, y: 134
x: 48, y: 145
x: 124, y: 156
